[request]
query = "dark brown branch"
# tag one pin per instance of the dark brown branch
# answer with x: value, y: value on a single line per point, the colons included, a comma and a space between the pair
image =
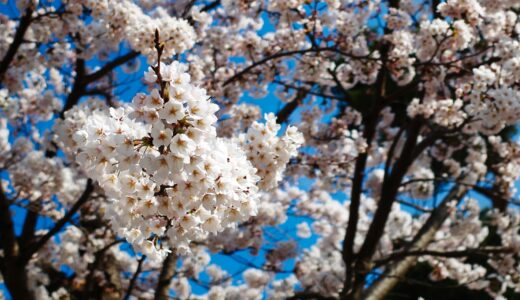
x: 165, y: 277
x: 103, y: 93
x: 414, y: 206
x: 95, y: 265
x: 7, y: 235
x: 25, y: 21
x: 357, y: 185
x: 453, y: 62
x: 131, y: 285
x: 109, y: 67
x: 422, y: 239
x: 389, y: 191
x: 390, y: 155
x: 60, y: 224
x: 288, y: 53
x: 8, y: 238
x: 78, y: 87
x: 498, y: 201
x: 388, y: 195
x: 435, y: 12
x: 309, y: 91
x: 283, y: 115
x: 338, y: 83
x: 309, y: 296
x: 13, y: 272
x: 393, y: 3
x: 29, y: 226
x: 355, y: 200
x: 449, y: 254
x: 210, y: 6
x: 82, y: 80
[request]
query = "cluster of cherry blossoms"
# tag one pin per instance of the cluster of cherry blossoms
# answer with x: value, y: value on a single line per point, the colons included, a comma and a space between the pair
x: 35, y: 177
x: 78, y: 249
x: 125, y: 20
x: 164, y: 167
x: 268, y: 152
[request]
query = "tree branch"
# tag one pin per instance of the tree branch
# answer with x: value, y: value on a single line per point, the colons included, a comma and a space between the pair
x: 422, y: 239
x: 82, y: 80
x: 8, y: 238
x: 13, y: 272
x: 78, y: 87
x: 25, y: 21
x: 357, y: 185
x: 288, y: 53
x: 111, y: 66
x: 98, y: 259
x: 309, y: 296
x: 210, y: 6
x: 283, y: 115
x: 29, y: 226
x: 355, y: 200
x: 498, y: 201
x: 388, y: 195
x: 416, y: 207
x: 60, y: 224
x: 162, y: 292
x: 450, y: 254
x: 134, y: 277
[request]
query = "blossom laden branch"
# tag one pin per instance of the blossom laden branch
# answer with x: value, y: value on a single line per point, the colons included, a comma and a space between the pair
x: 165, y: 277
x: 485, y: 251
x: 131, y: 285
x: 421, y: 240
x: 289, y: 53
x: 23, y: 26
x: 26, y: 255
